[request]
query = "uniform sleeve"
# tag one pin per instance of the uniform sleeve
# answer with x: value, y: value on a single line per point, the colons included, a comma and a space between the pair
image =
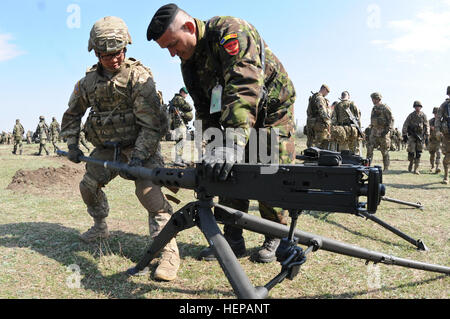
x: 405, y: 125
x: 426, y: 128
x: 239, y: 55
x: 147, y: 109
x: 322, y: 106
x: 71, y: 121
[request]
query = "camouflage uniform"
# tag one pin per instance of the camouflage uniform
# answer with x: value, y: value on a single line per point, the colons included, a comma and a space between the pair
x: 54, y: 131
x: 42, y: 133
x: 343, y: 131
x: 417, y: 123
x: 397, y: 138
x: 434, y: 145
x: 125, y: 109
x: 18, y: 132
x: 180, y: 114
x: 442, y: 127
x: 228, y: 52
x: 382, y: 122
x: 318, y: 120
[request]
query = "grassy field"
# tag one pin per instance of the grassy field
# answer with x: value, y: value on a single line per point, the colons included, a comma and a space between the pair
x: 42, y: 257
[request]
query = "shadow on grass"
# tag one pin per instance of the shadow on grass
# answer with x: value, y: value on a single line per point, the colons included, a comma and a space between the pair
x: 323, y: 216
x: 417, y: 186
x: 64, y: 246
x: 349, y: 295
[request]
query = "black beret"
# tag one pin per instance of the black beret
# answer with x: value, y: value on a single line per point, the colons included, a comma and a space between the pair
x: 161, y: 21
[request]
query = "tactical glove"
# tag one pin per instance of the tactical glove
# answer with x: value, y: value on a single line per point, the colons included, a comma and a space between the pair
x: 74, y: 153
x: 218, y: 164
x: 134, y: 162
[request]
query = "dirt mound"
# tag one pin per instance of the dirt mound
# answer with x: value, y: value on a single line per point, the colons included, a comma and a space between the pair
x: 47, y: 180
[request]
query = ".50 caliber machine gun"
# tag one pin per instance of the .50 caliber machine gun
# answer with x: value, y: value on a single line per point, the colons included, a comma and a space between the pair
x: 291, y: 187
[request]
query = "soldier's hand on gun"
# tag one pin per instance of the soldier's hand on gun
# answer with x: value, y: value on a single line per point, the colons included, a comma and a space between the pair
x: 218, y: 164
x: 74, y: 153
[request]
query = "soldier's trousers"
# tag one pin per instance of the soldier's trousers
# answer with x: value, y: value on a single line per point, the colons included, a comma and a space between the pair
x: 17, y: 145
x: 384, y: 144
x: 43, y: 146
x: 435, y: 152
x: 149, y: 195
x: 321, y: 139
x: 446, y: 151
x: 180, y: 138
x: 54, y: 141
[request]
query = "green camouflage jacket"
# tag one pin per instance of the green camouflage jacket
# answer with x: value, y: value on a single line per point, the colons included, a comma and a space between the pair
x: 124, y: 108
x: 417, y: 122
x: 340, y: 115
x: 18, y: 130
x: 318, y: 111
x: 381, y: 120
x: 443, y: 115
x: 228, y: 53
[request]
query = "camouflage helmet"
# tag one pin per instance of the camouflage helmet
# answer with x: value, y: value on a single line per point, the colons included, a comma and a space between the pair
x: 417, y: 103
x: 376, y: 96
x: 41, y: 118
x: 108, y: 35
x: 435, y: 110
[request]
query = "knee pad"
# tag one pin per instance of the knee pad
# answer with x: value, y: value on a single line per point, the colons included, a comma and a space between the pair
x: 94, y: 198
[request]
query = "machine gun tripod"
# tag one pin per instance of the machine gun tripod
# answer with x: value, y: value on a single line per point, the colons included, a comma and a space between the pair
x: 293, y: 187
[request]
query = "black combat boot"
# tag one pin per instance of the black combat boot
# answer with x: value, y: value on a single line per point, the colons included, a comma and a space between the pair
x: 267, y: 252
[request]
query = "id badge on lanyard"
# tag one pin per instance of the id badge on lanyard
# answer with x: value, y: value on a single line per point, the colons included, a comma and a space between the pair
x: 216, y: 99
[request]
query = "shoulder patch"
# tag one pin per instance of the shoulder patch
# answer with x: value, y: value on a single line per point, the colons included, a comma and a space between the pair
x: 228, y: 37
x: 76, y: 89
x: 232, y: 47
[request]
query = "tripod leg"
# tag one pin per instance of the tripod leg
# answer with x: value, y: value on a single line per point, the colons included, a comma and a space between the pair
x: 181, y: 220
x: 233, y: 271
x: 418, y: 243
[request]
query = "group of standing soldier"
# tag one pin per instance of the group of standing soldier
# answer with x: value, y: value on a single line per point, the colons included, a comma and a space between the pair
x: 338, y: 127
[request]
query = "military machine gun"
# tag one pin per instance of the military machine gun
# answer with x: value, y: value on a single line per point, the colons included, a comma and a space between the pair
x: 326, y: 158
x: 292, y: 187
x: 412, y: 132
x: 354, y: 121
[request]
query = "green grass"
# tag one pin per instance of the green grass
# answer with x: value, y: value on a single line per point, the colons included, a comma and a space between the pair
x: 39, y: 242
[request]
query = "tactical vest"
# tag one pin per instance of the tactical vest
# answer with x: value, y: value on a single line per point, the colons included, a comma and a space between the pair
x: 42, y: 131
x: 111, y: 118
x: 379, y: 118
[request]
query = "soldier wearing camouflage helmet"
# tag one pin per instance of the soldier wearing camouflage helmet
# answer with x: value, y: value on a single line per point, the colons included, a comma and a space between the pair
x: 415, y: 131
x: 180, y: 114
x: 434, y: 145
x: 43, y: 134
x: 442, y: 127
x: 125, y: 111
x: 18, y: 132
x: 382, y: 123
x: 318, y: 120
x: 55, y: 130
x: 225, y: 60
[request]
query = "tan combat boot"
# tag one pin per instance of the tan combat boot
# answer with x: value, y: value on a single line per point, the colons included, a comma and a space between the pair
x: 169, y: 263
x: 98, y: 231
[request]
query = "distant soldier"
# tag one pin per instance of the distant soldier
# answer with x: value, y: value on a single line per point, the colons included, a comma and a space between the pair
x: 55, y: 129
x: 442, y: 128
x: 344, y: 115
x: 42, y: 132
x: 3, y: 138
x: 397, y: 139
x: 415, y: 131
x: 434, y: 145
x: 9, y: 138
x: 319, y: 119
x: 29, y: 137
x: 180, y: 114
x: 382, y: 122
x: 18, y: 132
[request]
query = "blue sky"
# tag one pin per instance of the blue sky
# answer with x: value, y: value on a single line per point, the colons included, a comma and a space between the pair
x: 399, y: 48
